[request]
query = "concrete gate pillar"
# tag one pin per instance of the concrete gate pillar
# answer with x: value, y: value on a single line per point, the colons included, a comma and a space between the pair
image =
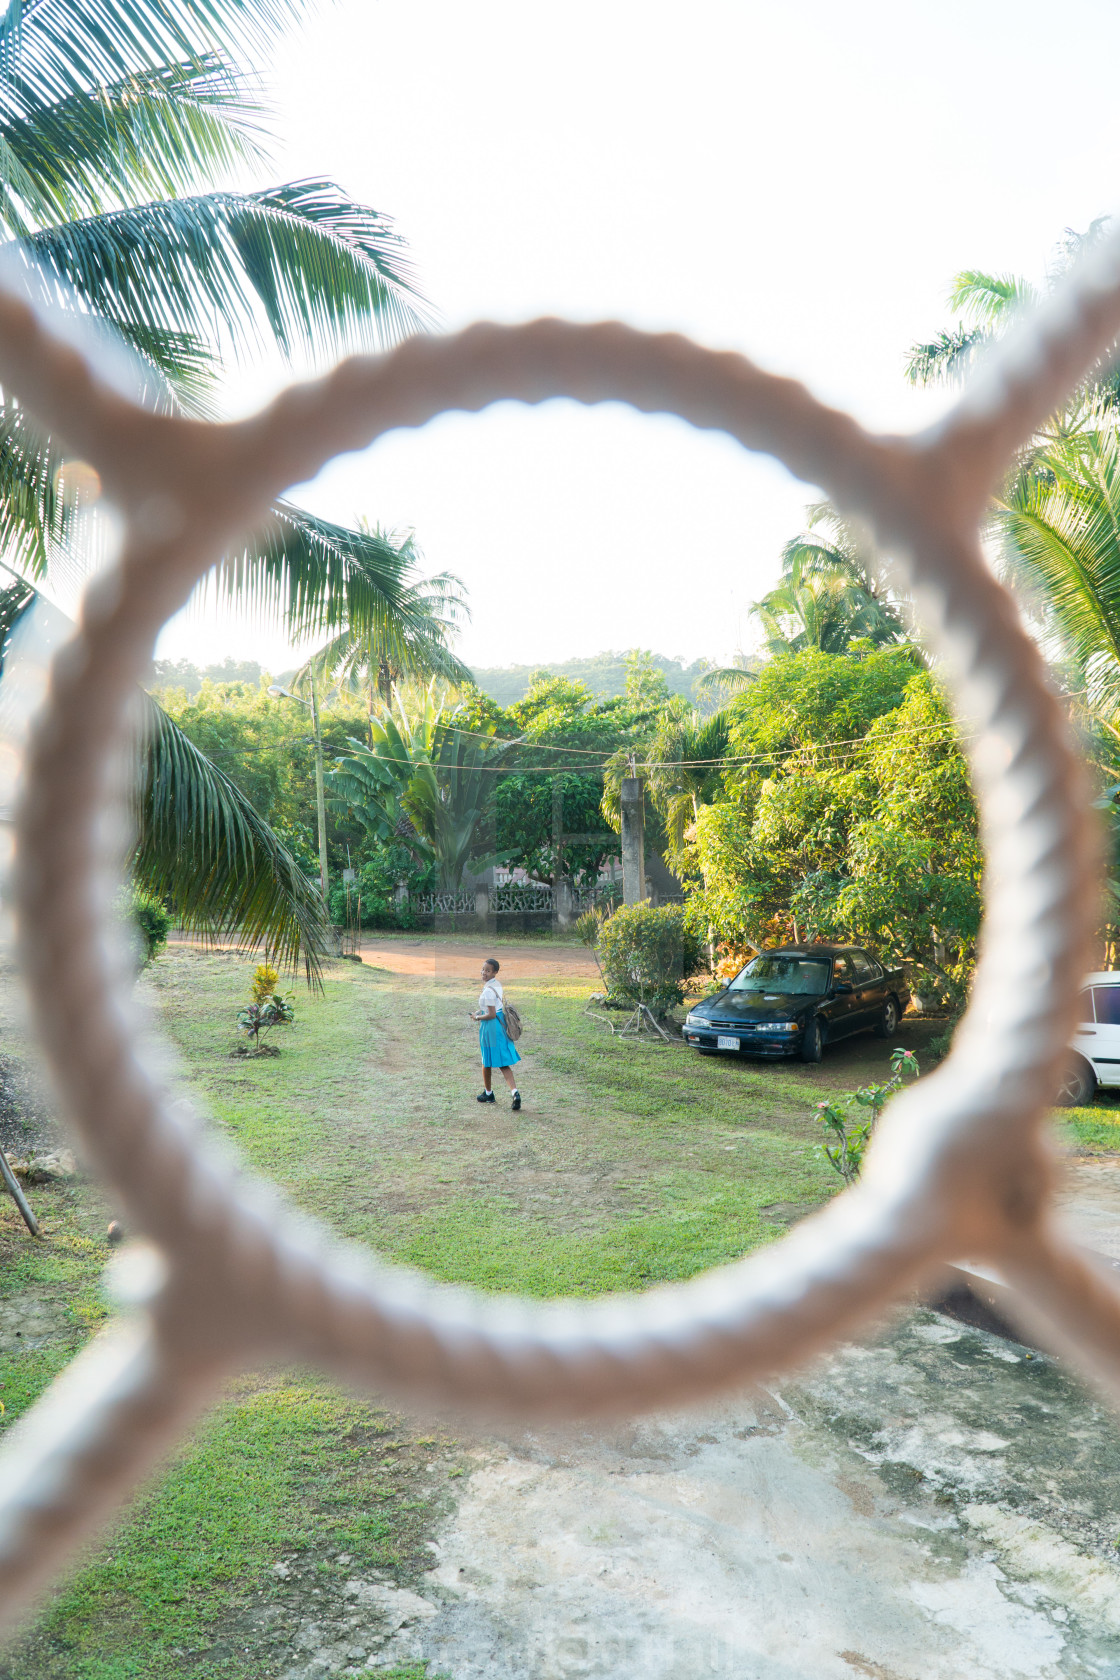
x: 633, y: 840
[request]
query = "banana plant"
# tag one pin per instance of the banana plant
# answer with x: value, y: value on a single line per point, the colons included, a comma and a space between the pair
x: 429, y: 777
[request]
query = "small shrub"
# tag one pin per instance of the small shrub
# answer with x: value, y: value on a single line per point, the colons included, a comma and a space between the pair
x: 152, y: 921
x: 851, y: 1118
x: 647, y: 954
x: 268, y: 1009
x: 265, y: 981
x: 588, y: 928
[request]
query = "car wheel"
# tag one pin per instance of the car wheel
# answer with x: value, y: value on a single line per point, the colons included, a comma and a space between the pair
x: 1078, y: 1087
x: 812, y: 1042
x: 888, y: 1020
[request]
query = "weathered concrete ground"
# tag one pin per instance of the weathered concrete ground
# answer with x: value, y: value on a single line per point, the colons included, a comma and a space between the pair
x: 941, y: 1505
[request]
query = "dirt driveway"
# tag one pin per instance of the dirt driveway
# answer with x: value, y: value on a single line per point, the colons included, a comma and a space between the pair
x: 461, y: 959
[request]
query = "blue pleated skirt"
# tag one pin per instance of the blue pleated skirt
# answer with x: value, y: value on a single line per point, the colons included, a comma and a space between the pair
x: 497, y: 1050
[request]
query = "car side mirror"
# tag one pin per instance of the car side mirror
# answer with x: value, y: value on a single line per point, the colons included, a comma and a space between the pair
x: 842, y: 986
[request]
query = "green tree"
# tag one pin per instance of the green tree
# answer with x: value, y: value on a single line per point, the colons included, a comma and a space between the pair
x: 847, y: 813
x: 566, y: 735
x: 265, y: 746
x: 646, y: 683
x: 908, y: 877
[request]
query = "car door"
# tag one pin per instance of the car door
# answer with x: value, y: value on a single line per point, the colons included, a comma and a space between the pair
x: 867, y: 977
x: 1104, y: 1049
x: 839, y: 1010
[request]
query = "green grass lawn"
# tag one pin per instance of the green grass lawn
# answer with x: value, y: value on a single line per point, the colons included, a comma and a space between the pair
x: 1094, y: 1130
x: 628, y: 1165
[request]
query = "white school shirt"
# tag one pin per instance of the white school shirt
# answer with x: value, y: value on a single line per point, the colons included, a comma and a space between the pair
x: 491, y: 996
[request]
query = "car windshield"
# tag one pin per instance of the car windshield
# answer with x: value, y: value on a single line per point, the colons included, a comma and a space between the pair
x: 782, y: 974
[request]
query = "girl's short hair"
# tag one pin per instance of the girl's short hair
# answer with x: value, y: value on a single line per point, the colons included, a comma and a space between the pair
x: 492, y: 962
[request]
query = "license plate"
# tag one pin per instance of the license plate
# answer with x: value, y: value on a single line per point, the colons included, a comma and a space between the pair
x: 727, y: 1044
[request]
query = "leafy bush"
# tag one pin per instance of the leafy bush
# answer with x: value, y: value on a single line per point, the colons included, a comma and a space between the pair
x: 268, y: 1009
x: 647, y: 954
x: 379, y: 872
x: 851, y: 1119
x: 152, y: 921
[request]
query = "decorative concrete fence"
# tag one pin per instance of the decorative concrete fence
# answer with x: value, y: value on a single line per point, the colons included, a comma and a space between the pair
x: 533, y: 903
x: 229, y: 1277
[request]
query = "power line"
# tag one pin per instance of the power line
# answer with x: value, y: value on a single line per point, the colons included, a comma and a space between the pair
x: 855, y: 746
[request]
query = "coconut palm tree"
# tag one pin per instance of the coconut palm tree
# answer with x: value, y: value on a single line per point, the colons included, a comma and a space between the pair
x: 1059, y: 527
x: 821, y: 604
x: 411, y: 640
x: 1057, y: 520
x: 197, y: 840
x: 987, y: 304
x: 121, y: 123
x: 683, y: 767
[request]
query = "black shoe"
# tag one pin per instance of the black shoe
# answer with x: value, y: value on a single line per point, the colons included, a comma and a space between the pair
x: 516, y: 1103
x: 485, y: 1096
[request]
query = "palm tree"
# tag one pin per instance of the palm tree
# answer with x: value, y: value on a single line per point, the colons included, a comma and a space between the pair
x: 1059, y: 525
x: 1057, y: 520
x: 684, y: 766
x: 197, y: 839
x: 428, y: 777
x: 117, y: 120
x: 821, y: 604
x: 987, y: 304
x: 408, y: 641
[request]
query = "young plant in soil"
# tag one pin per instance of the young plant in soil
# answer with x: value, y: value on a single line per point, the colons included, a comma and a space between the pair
x: 851, y: 1118
x: 268, y: 1009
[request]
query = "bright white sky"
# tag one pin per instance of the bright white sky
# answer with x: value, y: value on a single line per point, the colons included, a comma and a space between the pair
x: 796, y: 181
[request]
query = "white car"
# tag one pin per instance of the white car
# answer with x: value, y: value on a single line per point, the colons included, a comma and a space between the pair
x: 1096, y: 1043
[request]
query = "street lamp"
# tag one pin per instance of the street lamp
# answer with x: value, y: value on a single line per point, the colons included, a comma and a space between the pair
x: 312, y: 705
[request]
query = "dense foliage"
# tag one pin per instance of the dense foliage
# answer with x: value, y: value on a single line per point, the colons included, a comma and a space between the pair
x: 845, y: 812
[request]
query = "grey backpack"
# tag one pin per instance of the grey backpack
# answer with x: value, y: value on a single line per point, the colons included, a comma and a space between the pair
x: 512, y: 1021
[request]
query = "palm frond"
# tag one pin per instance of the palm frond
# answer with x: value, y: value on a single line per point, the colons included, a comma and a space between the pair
x: 303, y: 261
x: 34, y: 516
x: 201, y: 844
x: 726, y: 679
x: 989, y: 300
x: 156, y: 134
x: 318, y: 575
x: 15, y: 598
x: 947, y: 358
x: 1060, y: 524
x: 50, y: 49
